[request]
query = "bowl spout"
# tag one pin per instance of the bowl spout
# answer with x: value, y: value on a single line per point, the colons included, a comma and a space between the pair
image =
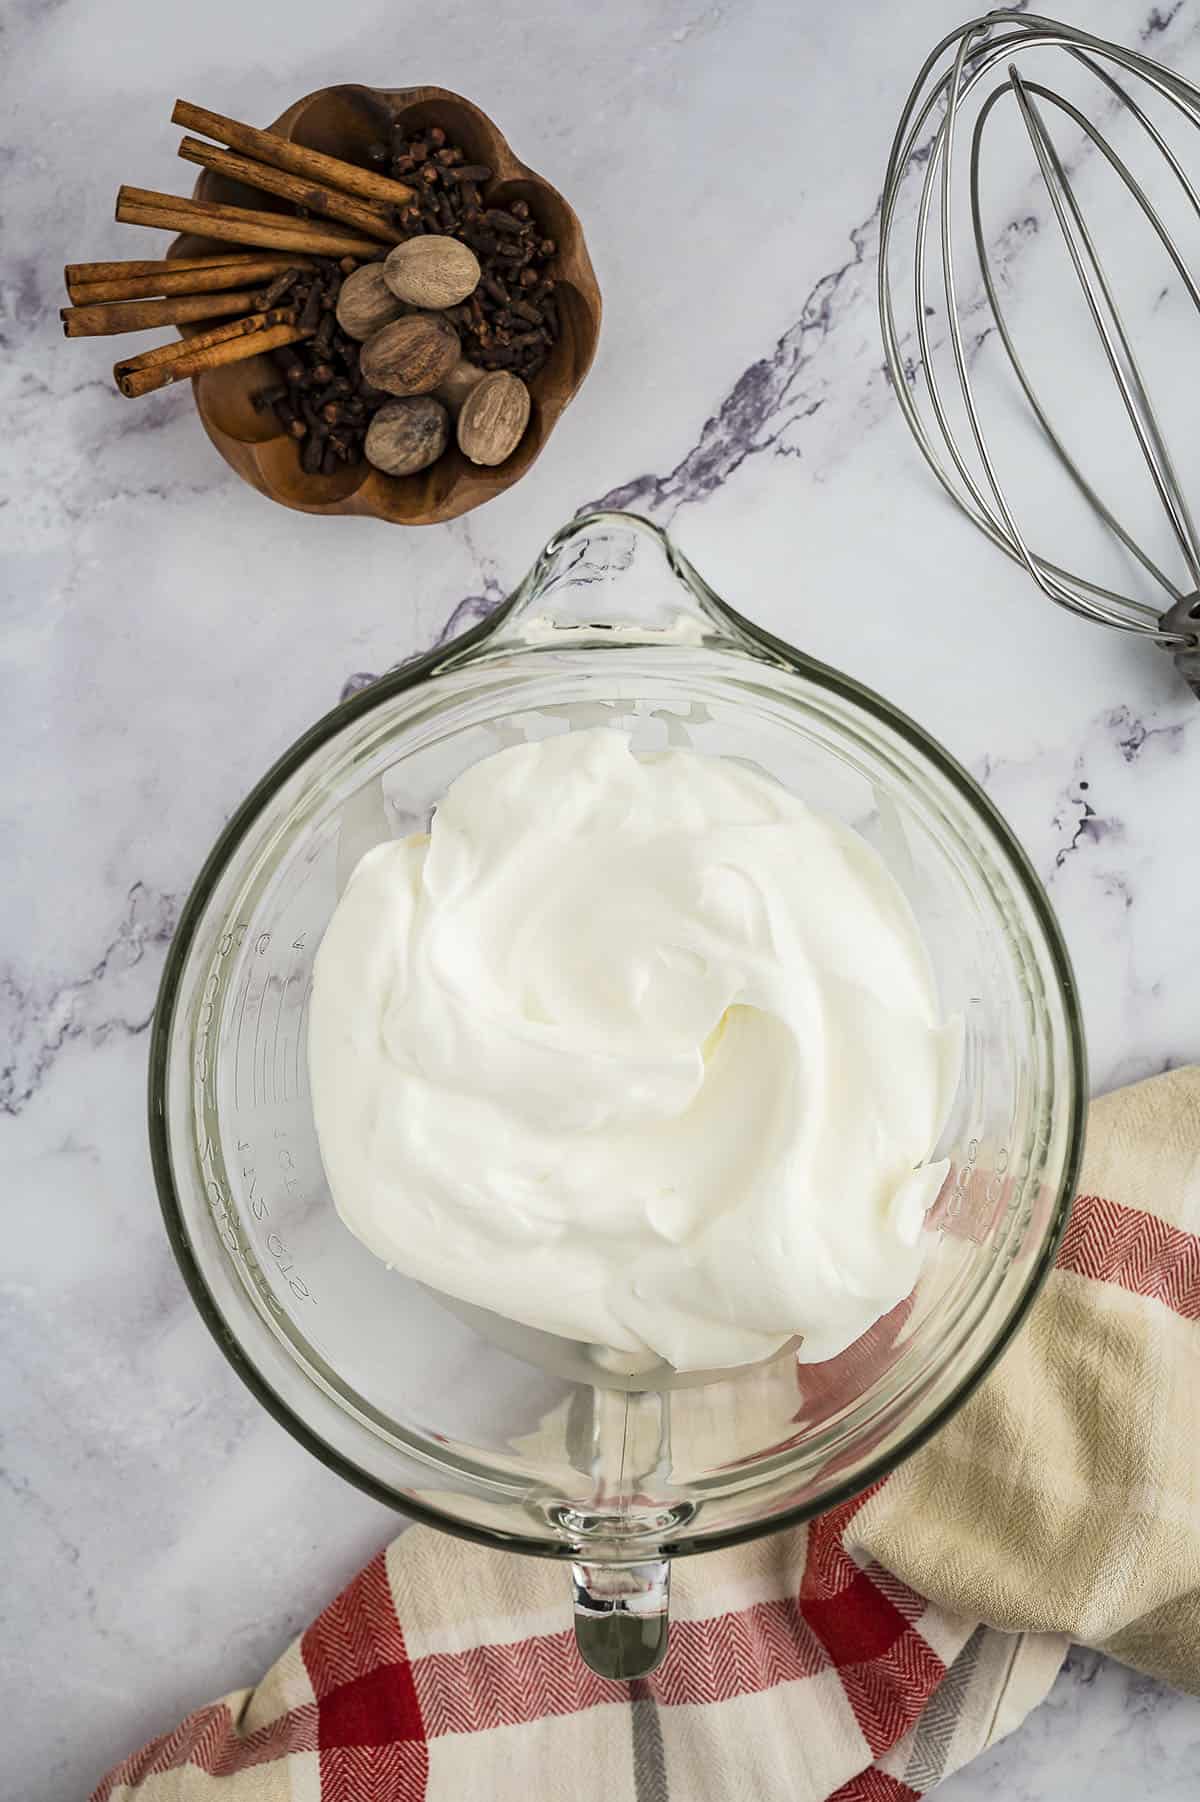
x: 614, y: 578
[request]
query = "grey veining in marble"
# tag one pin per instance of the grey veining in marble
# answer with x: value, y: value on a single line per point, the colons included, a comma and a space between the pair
x: 167, y: 633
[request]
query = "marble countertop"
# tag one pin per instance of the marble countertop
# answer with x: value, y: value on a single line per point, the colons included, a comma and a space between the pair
x: 167, y: 633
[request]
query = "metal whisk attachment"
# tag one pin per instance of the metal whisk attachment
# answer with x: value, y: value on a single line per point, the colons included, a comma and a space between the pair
x: 945, y: 415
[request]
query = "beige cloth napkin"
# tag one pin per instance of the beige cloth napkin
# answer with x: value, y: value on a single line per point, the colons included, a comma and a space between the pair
x: 859, y: 1659
x: 1065, y: 1497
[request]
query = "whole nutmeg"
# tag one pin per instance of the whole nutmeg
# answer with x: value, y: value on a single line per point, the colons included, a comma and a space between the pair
x: 493, y: 418
x: 412, y: 355
x: 432, y: 272
x: 365, y: 302
x: 407, y: 435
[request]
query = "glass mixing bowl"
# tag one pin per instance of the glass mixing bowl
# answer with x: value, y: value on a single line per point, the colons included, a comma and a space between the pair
x: 515, y: 1438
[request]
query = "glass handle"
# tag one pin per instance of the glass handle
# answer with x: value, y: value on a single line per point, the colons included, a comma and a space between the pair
x: 621, y: 1616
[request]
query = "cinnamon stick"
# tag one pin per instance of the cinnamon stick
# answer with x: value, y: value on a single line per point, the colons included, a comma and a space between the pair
x: 281, y: 153
x: 366, y: 216
x: 111, y: 272
x: 220, y: 334
x: 164, y: 278
x: 256, y: 336
x: 305, y: 244
x: 237, y: 225
x: 217, y: 209
x: 140, y: 315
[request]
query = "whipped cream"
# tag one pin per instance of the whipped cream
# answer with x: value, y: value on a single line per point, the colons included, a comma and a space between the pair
x: 638, y: 1050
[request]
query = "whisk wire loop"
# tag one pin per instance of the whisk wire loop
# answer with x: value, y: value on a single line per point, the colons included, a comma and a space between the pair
x: 926, y: 134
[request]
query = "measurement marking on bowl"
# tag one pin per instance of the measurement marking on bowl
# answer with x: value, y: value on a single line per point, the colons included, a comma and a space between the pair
x: 254, y: 1090
x: 258, y: 1203
x: 966, y: 1170
x: 279, y: 1063
x: 260, y: 1208
x: 237, y: 1042
x: 286, y: 1264
x: 300, y: 1034
x: 276, y: 1087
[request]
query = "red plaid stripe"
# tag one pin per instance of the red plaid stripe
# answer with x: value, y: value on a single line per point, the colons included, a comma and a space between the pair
x: 295, y: 1731
x: 395, y: 1773
x: 738, y: 1654
x: 708, y: 1661
x: 196, y: 1740
x: 887, y: 1669
x: 209, y: 1740
x: 356, y: 1634
x: 499, y: 1686
x: 874, y: 1785
x: 1138, y: 1251
x: 888, y: 1693
x: 370, y: 1734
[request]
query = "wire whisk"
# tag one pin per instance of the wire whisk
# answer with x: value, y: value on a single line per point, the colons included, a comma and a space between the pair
x: 934, y: 118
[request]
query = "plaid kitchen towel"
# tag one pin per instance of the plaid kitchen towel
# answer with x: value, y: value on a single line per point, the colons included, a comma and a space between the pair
x: 859, y: 1659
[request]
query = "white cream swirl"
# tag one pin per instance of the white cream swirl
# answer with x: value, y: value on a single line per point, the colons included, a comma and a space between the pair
x: 639, y: 1050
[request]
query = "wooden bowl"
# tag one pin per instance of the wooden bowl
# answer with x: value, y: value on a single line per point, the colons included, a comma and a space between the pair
x: 342, y: 121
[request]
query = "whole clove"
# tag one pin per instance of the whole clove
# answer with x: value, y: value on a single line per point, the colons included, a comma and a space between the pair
x: 311, y: 311
x: 290, y: 420
x: 283, y: 284
x: 313, y: 454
